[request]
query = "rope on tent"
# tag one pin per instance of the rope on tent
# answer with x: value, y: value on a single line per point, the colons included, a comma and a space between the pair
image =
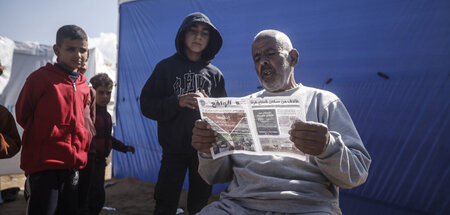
x: 383, y: 75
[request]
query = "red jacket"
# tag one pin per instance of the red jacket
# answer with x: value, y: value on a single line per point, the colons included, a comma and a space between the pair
x: 50, y: 108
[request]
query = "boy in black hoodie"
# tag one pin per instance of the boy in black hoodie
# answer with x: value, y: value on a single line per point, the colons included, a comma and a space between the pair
x: 169, y: 97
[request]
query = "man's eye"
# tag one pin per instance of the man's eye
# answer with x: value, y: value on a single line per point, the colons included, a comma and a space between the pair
x: 256, y: 59
x: 205, y: 33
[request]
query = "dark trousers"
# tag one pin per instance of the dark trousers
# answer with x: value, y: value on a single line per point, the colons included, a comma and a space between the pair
x: 170, y: 181
x: 83, y: 188
x: 53, y: 192
x: 91, y: 189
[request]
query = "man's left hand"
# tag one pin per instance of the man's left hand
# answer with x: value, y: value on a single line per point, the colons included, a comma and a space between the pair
x: 310, y: 137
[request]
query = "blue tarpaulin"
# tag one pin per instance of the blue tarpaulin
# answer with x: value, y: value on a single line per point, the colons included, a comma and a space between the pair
x: 388, y: 60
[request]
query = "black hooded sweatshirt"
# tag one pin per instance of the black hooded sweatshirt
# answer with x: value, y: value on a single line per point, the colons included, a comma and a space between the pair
x: 177, y: 75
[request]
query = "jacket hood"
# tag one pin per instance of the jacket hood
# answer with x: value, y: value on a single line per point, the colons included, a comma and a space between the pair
x: 215, y: 39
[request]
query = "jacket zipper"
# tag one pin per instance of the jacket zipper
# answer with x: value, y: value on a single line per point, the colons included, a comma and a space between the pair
x: 73, y: 106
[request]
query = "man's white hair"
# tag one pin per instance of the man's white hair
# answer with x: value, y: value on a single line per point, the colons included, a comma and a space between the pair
x: 281, y: 38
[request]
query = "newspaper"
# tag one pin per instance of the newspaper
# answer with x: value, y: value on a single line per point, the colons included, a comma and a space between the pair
x: 252, y: 125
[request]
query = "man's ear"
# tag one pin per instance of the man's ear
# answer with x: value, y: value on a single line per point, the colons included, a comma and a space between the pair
x: 56, y: 50
x: 294, y: 55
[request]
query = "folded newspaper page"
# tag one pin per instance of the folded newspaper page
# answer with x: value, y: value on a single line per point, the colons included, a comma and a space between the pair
x: 252, y: 125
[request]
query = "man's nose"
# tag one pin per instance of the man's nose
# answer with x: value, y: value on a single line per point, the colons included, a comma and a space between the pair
x: 264, y: 60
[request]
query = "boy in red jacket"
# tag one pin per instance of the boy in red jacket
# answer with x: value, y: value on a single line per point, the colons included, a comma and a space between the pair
x: 101, y: 146
x: 55, y: 141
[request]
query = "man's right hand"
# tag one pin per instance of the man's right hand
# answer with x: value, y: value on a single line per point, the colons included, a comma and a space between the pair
x: 203, y: 136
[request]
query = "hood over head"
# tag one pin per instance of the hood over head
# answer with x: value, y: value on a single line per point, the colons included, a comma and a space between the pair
x: 215, y: 40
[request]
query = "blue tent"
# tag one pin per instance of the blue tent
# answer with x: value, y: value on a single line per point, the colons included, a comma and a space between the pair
x: 388, y: 60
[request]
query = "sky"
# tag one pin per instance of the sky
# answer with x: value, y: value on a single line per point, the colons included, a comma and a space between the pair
x: 38, y: 20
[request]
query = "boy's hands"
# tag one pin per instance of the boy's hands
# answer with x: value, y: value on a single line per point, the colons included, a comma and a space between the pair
x: 3, y: 144
x: 310, y: 137
x: 130, y: 149
x: 203, y: 136
x: 189, y: 100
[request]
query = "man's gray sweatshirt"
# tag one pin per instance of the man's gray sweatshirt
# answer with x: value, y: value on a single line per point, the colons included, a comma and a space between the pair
x: 288, y: 185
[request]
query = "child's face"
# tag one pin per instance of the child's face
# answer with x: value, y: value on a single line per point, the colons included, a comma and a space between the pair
x: 103, y: 95
x: 72, y: 54
x: 84, y: 66
x: 197, y: 37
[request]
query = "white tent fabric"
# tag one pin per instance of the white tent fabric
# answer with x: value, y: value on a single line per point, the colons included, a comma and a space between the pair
x: 6, y: 56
